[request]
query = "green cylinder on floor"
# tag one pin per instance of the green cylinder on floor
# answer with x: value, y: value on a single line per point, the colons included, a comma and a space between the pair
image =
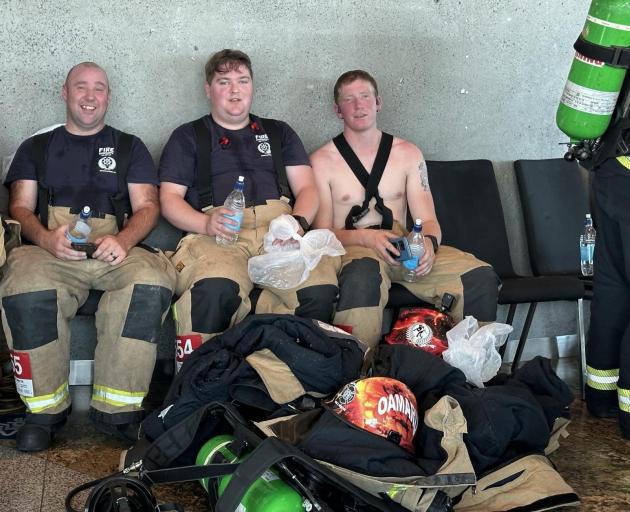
x: 269, y: 493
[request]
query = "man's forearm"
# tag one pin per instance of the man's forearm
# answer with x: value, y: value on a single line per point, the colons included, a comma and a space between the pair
x: 31, y: 227
x: 349, y: 236
x: 139, y: 226
x: 306, y: 204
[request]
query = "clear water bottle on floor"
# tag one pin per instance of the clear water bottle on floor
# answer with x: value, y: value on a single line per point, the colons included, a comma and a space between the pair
x: 416, y: 247
x: 235, y: 201
x: 79, y: 231
x: 587, y: 246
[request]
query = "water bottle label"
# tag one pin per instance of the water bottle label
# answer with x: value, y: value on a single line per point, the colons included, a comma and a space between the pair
x: 79, y: 233
x: 411, y: 263
x: 237, y: 217
x: 586, y: 252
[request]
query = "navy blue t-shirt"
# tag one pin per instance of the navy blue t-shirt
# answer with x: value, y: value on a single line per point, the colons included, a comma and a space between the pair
x: 245, y: 152
x: 81, y: 169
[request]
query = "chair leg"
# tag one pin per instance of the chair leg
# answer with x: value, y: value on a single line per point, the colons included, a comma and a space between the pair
x: 524, y: 334
x: 582, y: 340
x: 509, y: 320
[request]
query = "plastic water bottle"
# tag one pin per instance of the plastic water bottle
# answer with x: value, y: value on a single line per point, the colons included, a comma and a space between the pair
x: 235, y: 201
x: 587, y: 246
x: 79, y: 231
x: 416, y: 247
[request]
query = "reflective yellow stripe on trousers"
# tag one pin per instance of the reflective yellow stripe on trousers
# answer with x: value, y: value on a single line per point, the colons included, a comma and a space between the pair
x: 604, y: 380
x: 39, y: 403
x: 116, y: 397
x: 624, y: 399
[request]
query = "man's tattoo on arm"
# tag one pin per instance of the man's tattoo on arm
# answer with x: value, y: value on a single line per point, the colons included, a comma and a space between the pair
x: 424, y: 176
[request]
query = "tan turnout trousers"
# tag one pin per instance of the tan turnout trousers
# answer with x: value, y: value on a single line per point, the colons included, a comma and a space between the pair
x: 41, y: 294
x: 365, y: 280
x: 214, y: 287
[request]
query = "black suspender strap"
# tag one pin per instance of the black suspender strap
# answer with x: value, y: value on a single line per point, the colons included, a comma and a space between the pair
x: 120, y: 198
x: 40, y: 144
x: 369, y: 181
x: 203, y: 138
x: 272, y: 128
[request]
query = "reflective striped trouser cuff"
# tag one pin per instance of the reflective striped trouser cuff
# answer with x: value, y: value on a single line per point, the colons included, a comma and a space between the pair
x: 602, y: 380
x: 38, y: 404
x: 117, y: 397
x: 624, y: 399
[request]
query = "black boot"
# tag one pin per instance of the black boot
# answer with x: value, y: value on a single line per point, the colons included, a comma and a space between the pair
x: 38, y: 431
x: 124, y: 425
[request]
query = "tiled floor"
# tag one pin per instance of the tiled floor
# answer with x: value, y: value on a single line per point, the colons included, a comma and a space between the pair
x: 594, y: 460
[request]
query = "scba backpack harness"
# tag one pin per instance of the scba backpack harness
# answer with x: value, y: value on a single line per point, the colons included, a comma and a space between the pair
x: 319, y: 488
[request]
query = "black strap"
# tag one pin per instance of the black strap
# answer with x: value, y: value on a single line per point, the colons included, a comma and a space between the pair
x: 618, y: 56
x: 203, y: 138
x: 274, y: 132
x: 40, y: 144
x: 187, y: 473
x: 369, y: 181
x: 119, y: 199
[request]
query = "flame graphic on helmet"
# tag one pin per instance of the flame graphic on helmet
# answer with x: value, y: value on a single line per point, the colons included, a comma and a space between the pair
x: 380, y: 405
x: 421, y: 328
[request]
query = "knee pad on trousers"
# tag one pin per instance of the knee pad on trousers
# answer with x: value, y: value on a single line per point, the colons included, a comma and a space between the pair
x: 317, y: 302
x: 213, y: 301
x: 144, y: 316
x: 359, y: 284
x: 481, y: 291
x: 32, y: 318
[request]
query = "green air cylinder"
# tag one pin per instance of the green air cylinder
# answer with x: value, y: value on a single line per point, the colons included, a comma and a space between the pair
x: 592, y: 88
x: 269, y: 493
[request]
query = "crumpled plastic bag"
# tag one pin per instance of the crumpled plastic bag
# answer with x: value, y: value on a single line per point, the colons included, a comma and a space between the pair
x: 473, y: 349
x: 287, y: 266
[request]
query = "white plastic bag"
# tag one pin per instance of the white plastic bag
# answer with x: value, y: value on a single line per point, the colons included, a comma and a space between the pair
x: 289, y: 265
x: 473, y: 349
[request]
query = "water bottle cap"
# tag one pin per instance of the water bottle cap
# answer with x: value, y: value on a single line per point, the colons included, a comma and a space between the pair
x: 241, y: 179
x: 588, y: 215
x: 86, y: 210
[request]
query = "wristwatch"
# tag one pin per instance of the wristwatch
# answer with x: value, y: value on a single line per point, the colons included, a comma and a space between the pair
x: 302, y: 222
x: 434, y: 241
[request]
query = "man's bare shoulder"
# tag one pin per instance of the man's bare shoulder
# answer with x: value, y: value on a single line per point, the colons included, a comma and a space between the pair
x: 325, y: 157
x: 405, y: 149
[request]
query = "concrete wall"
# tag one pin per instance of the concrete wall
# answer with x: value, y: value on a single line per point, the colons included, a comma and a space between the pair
x: 460, y: 78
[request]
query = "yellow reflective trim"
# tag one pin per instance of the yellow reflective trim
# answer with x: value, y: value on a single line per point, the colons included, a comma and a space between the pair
x: 116, y: 397
x: 623, y: 392
x: 625, y: 161
x: 40, y: 403
x: 175, y: 317
x: 603, y: 380
x: 601, y: 386
x: 602, y: 373
x: 624, y: 403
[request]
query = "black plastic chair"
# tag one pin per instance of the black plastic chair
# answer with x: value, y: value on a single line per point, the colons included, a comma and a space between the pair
x: 468, y: 206
x: 555, y: 196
